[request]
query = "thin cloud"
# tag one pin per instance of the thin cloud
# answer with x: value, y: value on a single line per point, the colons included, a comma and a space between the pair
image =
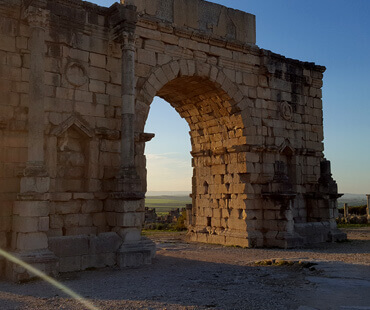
x: 167, y: 171
x: 168, y: 159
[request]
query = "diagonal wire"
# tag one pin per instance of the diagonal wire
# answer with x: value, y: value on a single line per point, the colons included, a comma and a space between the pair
x: 48, y: 279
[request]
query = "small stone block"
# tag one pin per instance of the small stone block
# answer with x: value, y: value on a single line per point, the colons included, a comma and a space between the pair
x: 69, y: 245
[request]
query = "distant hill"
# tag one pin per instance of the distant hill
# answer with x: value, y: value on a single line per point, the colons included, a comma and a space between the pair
x: 167, y: 203
x: 167, y: 193
x: 352, y: 200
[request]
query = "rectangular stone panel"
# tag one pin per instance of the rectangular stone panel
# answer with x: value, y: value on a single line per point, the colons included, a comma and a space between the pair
x: 69, y: 246
x: 202, y: 16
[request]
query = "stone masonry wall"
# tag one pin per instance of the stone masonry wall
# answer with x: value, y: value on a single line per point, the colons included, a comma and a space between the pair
x: 82, y: 117
x: 70, y: 155
x: 247, y: 109
x: 13, y: 118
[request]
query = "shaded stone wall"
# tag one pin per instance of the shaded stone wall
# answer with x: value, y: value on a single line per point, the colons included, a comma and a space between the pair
x: 255, y: 121
x: 61, y: 138
x: 13, y: 118
x: 77, y: 81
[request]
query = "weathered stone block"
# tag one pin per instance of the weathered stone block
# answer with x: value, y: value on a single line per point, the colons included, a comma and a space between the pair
x: 98, y: 260
x: 83, y: 196
x: 79, y: 231
x: 31, y: 241
x: 242, y: 242
x: 130, y: 234
x: 98, y: 60
x: 136, y: 254
x: 129, y: 219
x: 69, y: 246
x: 105, y: 243
x: 25, y: 224
x: 99, y: 219
x: 85, y: 219
x: 3, y: 240
x: 60, y: 196
x: 69, y: 264
x: 31, y: 208
x: 35, y: 184
x: 130, y: 206
x: 97, y: 86
x: 111, y: 218
x: 147, y: 57
x: 7, y: 43
x: 92, y: 206
x: 44, y: 223
x: 56, y: 221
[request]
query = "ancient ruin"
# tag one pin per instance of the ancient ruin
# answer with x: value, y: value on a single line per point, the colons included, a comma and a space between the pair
x: 77, y: 81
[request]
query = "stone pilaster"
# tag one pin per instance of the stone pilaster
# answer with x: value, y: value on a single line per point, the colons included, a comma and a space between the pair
x: 327, y: 202
x: 31, y: 211
x: 38, y: 22
x: 128, y: 106
x: 128, y: 200
x: 278, y: 216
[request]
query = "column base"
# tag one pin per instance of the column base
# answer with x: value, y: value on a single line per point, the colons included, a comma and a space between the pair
x: 43, y: 260
x: 335, y: 235
x: 136, y: 254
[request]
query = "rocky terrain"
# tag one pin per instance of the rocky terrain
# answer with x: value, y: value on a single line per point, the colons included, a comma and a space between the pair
x: 199, y: 276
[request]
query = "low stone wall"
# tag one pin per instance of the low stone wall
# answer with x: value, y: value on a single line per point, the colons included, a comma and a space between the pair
x: 82, y: 215
x: 84, y: 252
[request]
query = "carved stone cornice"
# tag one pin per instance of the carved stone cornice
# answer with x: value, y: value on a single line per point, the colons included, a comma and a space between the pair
x: 37, y: 17
x: 128, y: 41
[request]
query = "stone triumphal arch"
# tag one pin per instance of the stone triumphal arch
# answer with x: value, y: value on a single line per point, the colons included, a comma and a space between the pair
x: 77, y: 81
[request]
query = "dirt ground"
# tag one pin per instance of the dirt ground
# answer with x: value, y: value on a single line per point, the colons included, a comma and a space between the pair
x: 199, y: 276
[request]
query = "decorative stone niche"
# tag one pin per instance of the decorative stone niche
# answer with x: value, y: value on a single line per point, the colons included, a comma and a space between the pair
x: 72, y: 161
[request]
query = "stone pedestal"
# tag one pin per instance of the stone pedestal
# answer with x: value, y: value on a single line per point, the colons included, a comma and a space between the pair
x: 326, y: 197
x: 279, y: 223
x: 128, y: 218
x: 43, y: 260
x: 134, y: 254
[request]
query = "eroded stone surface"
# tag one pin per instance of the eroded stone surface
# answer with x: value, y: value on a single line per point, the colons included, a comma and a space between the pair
x: 77, y: 81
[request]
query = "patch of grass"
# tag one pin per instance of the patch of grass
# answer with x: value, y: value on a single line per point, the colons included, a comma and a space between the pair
x: 151, y: 232
x: 344, y: 225
x: 167, y: 203
x: 162, y: 213
x: 283, y: 262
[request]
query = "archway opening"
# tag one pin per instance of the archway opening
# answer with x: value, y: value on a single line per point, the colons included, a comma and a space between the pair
x: 218, y: 155
x: 169, y: 169
x: 168, y: 154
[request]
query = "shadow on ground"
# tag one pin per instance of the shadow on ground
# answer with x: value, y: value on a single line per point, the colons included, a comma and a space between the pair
x: 198, y: 276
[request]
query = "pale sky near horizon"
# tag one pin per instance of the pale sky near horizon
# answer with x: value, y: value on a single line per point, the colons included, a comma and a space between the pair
x: 335, y: 34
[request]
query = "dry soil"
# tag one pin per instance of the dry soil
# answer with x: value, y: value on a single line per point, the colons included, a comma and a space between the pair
x: 199, y: 276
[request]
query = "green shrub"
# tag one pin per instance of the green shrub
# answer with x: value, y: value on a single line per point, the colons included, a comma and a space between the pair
x: 180, y: 224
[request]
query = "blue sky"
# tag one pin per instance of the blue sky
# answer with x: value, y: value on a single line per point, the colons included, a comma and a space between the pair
x: 333, y: 33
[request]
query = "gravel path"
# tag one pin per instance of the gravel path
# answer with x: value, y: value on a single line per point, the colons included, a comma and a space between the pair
x: 199, y: 276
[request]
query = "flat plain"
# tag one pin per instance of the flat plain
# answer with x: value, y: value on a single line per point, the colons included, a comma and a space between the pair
x: 164, y: 204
